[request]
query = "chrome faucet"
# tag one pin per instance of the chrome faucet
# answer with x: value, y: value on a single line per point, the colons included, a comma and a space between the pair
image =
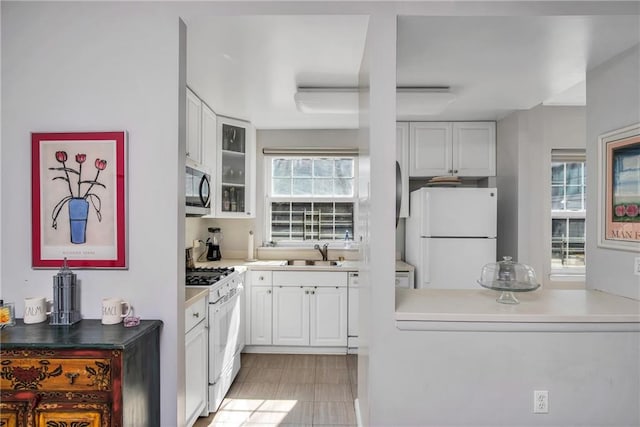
x: 324, y: 250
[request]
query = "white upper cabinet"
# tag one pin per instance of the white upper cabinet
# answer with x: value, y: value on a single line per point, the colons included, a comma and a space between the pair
x: 235, y: 169
x: 194, y: 127
x: 452, y: 148
x: 209, y: 130
x: 402, y: 157
x: 430, y: 148
x: 474, y: 148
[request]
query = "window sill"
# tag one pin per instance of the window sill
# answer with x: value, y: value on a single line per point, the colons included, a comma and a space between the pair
x: 337, y: 245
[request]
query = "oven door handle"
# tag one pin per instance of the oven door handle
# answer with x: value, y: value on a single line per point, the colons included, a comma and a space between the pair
x: 216, y: 301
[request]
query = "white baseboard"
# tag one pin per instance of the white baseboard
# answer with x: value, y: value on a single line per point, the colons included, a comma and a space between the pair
x: 293, y: 349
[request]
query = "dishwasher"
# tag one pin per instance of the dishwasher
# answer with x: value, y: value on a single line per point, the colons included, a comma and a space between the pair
x: 352, y: 317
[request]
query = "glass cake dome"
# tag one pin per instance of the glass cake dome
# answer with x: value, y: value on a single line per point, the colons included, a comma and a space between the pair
x: 508, y: 277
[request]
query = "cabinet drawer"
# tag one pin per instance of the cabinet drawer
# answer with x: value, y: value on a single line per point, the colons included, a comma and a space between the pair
x: 195, y: 313
x: 260, y: 278
x: 56, y: 374
x: 309, y: 278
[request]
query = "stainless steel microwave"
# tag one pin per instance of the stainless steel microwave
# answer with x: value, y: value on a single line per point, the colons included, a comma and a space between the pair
x: 198, y: 190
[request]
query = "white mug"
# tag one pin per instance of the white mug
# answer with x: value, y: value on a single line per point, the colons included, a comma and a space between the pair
x: 112, y: 310
x: 35, y: 309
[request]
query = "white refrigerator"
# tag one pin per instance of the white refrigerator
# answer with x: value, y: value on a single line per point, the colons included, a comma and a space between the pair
x: 451, y: 235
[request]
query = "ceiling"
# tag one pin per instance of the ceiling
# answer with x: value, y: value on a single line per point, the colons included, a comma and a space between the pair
x: 250, y: 66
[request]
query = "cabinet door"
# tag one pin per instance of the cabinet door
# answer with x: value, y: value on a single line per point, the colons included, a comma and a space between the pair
x: 352, y: 315
x: 261, y: 309
x: 194, y: 123
x: 474, y: 148
x: 328, y: 313
x: 196, y: 350
x: 402, y: 157
x: 65, y: 414
x: 430, y: 149
x: 235, y: 192
x: 208, y: 144
x: 16, y: 413
x: 290, y: 315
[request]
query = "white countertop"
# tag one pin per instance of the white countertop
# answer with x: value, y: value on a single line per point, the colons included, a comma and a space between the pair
x: 193, y: 294
x: 541, y: 306
x: 346, y: 265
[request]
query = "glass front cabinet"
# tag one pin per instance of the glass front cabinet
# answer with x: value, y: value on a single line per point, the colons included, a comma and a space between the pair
x: 235, y: 171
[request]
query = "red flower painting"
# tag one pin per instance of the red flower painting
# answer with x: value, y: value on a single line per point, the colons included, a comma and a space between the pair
x: 77, y: 202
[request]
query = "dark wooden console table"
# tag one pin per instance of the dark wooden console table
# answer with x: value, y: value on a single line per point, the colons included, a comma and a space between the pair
x: 84, y: 375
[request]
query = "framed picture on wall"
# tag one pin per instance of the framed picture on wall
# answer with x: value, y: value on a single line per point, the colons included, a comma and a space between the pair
x: 78, y: 193
x: 619, y: 189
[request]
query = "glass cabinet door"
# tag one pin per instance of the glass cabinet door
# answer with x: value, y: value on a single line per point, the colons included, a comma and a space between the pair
x: 236, y: 156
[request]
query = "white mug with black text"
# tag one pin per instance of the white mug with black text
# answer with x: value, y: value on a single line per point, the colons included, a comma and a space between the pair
x: 35, y: 309
x: 113, y: 310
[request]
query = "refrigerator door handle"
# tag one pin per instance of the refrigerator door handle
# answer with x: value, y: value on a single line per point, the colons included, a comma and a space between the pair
x: 425, y: 206
x: 426, y: 268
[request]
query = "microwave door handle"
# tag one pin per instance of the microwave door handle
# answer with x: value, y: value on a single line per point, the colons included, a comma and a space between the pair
x: 203, y: 199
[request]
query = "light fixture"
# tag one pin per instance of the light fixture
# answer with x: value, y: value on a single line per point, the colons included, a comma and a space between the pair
x: 422, y: 101
x: 327, y: 100
x: 410, y: 101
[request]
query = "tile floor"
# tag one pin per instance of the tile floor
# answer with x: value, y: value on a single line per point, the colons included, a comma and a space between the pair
x: 289, y: 390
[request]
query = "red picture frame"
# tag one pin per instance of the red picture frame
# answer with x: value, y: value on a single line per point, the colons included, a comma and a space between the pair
x: 78, y: 199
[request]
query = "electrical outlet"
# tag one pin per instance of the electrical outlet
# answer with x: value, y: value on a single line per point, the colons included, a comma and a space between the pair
x: 540, y: 402
x: 636, y: 266
x: 196, y: 243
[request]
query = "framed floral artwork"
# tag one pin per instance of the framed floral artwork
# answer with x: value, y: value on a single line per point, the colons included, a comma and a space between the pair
x: 78, y: 193
x: 619, y: 189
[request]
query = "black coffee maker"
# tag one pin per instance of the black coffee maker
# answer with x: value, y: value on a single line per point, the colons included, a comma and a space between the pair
x: 213, y: 244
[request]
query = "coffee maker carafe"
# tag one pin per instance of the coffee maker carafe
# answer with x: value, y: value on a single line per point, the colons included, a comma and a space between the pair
x: 213, y: 244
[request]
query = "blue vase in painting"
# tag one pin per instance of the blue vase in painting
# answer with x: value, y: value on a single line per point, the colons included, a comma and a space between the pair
x: 78, y: 212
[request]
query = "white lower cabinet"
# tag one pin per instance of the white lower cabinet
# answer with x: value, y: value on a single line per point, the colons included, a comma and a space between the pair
x: 310, y: 308
x: 290, y: 315
x: 196, y: 351
x: 297, y: 308
x: 310, y: 316
x: 328, y: 316
x: 261, y: 310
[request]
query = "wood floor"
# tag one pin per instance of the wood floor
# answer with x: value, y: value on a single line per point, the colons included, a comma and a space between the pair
x: 289, y: 390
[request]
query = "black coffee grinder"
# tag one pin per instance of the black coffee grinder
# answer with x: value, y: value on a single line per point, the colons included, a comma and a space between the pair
x: 213, y: 244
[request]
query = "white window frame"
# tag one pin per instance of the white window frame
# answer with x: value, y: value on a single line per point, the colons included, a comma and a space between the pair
x: 269, y: 199
x: 567, y: 156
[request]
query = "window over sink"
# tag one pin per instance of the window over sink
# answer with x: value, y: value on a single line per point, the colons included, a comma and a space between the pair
x: 310, y: 197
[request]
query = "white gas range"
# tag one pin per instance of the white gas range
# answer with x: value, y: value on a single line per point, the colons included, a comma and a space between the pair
x: 226, y: 334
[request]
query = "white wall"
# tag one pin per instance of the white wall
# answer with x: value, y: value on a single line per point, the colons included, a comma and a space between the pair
x: 91, y: 67
x: 235, y: 235
x: 613, y: 99
x: 377, y: 380
x: 507, y: 140
x: 476, y: 378
x: 525, y: 141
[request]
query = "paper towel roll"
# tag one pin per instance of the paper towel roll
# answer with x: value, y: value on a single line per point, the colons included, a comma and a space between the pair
x: 250, y: 247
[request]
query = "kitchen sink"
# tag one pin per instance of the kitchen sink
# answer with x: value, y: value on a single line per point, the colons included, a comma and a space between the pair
x: 326, y: 263
x: 299, y: 262
x: 311, y: 262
